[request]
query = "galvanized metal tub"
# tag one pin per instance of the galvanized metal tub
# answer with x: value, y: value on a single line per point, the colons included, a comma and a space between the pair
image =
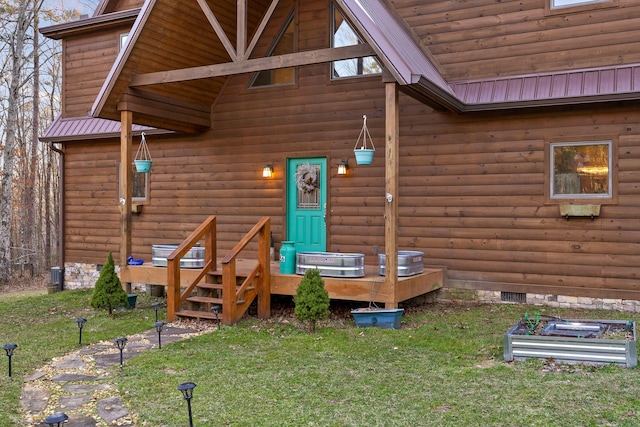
x: 331, y: 264
x: 193, y: 259
x: 409, y: 263
x: 574, y: 348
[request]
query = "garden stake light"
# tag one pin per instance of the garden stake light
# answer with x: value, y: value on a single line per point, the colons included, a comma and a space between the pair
x: 187, y: 392
x: 120, y: 343
x: 156, y: 306
x: 9, y: 348
x: 80, y: 321
x: 216, y: 309
x: 56, y: 420
x: 159, y: 326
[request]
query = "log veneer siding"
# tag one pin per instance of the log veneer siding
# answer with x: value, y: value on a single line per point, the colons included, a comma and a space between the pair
x: 471, y: 186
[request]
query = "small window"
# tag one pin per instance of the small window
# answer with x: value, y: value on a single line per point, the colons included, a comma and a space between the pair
x: 140, y: 183
x: 581, y: 170
x: 342, y: 34
x: 123, y: 39
x: 284, y: 44
x: 561, y: 4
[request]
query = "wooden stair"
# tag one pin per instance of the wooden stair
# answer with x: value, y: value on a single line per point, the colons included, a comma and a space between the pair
x: 207, y: 295
x: 231, y: 290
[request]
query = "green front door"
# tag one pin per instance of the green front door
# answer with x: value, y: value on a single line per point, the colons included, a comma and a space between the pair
x: 307, y: 203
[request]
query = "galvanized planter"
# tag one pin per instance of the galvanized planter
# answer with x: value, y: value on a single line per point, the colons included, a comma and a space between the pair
x: 583, y: 346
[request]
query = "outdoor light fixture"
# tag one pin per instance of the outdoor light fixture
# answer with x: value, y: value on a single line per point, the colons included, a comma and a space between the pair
x: 343, y: 166
x: 159, y: 326
x: 187, y: 392
x: 120, y: 343
x: 56, y: 420
x: 267, y: 171
x: 156, y: 305
x: 9, y: 348
x: 80, y: 321
x: 216, y: 310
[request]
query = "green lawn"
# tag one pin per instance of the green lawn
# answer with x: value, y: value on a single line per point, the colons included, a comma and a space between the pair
x: 443, y: 368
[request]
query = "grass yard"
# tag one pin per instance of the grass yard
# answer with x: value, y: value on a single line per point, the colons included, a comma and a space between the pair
x: 443, y: 368
x: 44, y: 327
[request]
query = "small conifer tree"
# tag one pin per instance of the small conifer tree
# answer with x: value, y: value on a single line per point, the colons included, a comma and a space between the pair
x: 108, y: 292
x: 311, y: 299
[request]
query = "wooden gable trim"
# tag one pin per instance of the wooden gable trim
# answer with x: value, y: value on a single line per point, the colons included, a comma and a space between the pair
x: 253, y: 65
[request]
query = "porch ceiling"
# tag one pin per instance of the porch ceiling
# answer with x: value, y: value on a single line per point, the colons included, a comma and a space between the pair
x: 173, y: 35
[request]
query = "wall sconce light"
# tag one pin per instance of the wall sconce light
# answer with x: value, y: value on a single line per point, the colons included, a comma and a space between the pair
x: 267, y: 171
x: 343, y: 166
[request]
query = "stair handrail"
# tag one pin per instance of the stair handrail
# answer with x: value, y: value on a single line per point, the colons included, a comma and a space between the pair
x: 175, y: 298
x: 261, y: 274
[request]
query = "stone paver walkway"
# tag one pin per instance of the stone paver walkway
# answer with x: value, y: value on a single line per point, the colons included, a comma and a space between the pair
x: 81, y: 384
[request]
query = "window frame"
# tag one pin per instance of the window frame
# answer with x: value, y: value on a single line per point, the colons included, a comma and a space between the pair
x: 579, y: 6
x: 135, y: 200
x: 593, y: 198
x: 332, y: 30
x: 291, y: 19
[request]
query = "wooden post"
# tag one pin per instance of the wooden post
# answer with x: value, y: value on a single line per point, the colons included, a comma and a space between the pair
x: 392, y: 131
x: 264, y: 291
x: 126, y: 189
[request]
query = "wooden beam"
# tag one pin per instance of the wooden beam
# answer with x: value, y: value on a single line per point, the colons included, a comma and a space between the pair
x: 253, y: 65
x: 213, y: 21
x: 241, y: 30
x: 261, y: 27
x: 392, y: 131
x: 167, y: 108
x: 126, y: 188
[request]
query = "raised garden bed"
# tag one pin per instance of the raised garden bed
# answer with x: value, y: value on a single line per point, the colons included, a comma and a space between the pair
x: 597, y: 342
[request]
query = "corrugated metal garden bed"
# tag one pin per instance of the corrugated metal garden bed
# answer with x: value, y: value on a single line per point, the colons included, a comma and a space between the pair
x: 597, y: 342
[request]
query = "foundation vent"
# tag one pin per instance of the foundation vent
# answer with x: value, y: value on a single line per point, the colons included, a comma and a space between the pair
x: 513, y: 297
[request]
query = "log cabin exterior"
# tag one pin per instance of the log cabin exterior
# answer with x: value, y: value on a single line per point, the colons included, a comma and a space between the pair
x: 473, y: 108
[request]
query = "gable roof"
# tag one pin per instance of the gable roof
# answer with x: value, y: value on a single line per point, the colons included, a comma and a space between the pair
x: 390, y: 39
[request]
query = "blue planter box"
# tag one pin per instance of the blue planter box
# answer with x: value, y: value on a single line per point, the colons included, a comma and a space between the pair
x: 379, y: 317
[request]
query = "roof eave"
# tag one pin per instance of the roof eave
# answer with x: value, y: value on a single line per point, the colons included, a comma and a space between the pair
x: 79, y: 26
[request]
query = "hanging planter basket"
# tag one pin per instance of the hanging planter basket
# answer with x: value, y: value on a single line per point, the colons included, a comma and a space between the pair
x: 364, y: 153
x: 142, y: 159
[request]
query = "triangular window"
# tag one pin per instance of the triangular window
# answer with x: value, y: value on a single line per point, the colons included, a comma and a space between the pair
x: 343, y: 34
x: 283, y: 44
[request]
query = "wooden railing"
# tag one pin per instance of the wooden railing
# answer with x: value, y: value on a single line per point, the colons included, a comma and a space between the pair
x: 206, y: 230
x: 235, y: 301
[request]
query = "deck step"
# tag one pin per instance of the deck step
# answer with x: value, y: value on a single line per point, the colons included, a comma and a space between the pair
x: 197, y: 314
x: 205, y: 300
x: 216, y: 286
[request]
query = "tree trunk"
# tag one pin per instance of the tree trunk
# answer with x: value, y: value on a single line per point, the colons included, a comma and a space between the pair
x: 6, y: 181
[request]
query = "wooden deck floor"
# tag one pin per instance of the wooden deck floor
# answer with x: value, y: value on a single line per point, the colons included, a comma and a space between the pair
x: 371, y: 287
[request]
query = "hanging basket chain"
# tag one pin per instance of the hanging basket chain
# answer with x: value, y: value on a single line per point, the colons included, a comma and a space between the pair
x: 364, y: 134
x: 143, y: 150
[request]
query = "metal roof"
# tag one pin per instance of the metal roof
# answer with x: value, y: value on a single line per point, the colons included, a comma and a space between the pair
x: 83, y: 128
x: 557, y: 88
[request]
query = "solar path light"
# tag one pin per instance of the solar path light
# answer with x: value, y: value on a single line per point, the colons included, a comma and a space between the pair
x: 120, y: 343
x: 56, y: 420
x: 80, y: 321
x: 9, y: 348
x: 187, y: 392
x: 216, y: 310
x: 156, y: 306
x: 159, y: 326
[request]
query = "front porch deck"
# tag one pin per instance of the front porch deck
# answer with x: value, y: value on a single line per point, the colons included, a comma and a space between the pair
x: 372, y: 287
